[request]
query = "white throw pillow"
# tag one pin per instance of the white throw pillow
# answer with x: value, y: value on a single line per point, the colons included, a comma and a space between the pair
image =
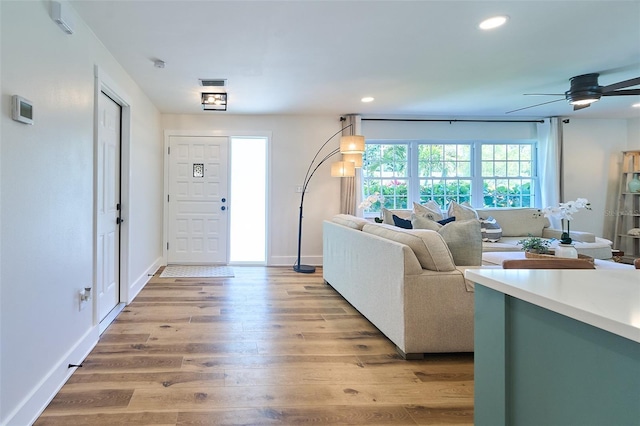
x: 387, y: 215
x: 430, y: 210
x: 461, y: 211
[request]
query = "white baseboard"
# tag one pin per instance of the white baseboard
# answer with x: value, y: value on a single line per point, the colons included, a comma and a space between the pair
x: 34, y: 404
x: 143, y: 279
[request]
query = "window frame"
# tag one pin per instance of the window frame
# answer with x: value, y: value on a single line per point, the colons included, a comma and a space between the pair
x: 477, y: 180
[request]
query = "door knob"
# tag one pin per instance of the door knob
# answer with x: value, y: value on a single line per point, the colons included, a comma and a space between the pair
x: 223, y: 208
x: 119, y: 220
x: 224, y: 200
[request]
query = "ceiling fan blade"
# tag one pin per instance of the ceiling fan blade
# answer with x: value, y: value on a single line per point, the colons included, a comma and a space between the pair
x: 533, y: 106
x: 622, y: 92
x: 543, y: 94
x: 621, y: 85
x: 579, y: 107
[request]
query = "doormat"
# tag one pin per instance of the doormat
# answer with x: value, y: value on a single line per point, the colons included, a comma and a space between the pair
x: 196, y: 271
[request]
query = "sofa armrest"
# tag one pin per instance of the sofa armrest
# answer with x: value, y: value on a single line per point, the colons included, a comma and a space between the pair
x: 584, y: 237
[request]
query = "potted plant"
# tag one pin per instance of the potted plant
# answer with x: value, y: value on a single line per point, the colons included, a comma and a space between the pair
x: 535, y: 245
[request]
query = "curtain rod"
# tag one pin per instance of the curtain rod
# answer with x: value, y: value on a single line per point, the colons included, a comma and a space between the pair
x: 452, y: 120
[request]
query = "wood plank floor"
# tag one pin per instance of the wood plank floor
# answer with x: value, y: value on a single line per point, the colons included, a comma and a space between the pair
x: 269, y: 346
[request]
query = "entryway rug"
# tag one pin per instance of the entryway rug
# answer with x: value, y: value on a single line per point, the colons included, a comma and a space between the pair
x: 196, y: 271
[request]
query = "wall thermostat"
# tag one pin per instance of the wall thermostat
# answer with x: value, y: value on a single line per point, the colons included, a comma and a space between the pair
x: 22, y: 110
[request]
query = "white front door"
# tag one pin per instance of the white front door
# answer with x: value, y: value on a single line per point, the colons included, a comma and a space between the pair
x: 197, y: 223
x: 108, y: 206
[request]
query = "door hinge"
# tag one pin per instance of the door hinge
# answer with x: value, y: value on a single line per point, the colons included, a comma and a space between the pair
x: 118, y: 206
x: 168, y: 150
x: 167, y: 245
x: 167, y: 198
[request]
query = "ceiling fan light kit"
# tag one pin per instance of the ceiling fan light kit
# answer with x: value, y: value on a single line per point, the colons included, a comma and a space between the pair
x: 585, y: 90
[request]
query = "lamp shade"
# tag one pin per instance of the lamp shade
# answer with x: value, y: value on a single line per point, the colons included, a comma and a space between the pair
x: 353, y: 144
x: 356, y: 159
x: 343, y: 169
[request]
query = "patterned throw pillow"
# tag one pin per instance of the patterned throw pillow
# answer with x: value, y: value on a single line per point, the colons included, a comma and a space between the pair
x: 491, y: 231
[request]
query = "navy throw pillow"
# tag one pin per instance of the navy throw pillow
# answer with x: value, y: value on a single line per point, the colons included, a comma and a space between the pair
x: 402, y: 223
x: 447, y: 220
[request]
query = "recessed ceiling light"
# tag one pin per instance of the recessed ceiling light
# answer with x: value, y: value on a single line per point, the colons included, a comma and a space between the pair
x: 493, y: 22
x: 367, y: 99
x: 636, y: 105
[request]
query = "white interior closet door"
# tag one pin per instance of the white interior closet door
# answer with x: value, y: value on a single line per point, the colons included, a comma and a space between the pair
x: 108, y: 215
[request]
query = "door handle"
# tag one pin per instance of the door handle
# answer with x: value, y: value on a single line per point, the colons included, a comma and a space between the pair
x: 119, y: 220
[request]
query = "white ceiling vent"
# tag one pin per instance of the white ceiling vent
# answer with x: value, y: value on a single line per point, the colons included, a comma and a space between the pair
x: 218, y: 82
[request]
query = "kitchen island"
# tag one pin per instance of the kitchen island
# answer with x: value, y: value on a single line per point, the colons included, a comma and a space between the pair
x: 557, y: 347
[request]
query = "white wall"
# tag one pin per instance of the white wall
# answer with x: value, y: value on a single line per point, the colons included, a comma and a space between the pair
x: 633, y: 134
x: 46, y: 201
x: 592, y: 158
x: 294, y: 141
x: 435, y: 130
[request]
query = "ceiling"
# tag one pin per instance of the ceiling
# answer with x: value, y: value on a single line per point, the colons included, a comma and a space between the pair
x: 416, y: 58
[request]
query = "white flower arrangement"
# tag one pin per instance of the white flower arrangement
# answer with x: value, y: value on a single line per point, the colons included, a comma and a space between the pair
x: 565, y: 211
x: 370, y: 200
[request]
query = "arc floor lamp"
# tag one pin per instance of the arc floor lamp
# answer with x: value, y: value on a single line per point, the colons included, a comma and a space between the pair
x: 351, y: 147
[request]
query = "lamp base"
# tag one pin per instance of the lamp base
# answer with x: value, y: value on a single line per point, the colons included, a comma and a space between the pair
x: 304, y: 269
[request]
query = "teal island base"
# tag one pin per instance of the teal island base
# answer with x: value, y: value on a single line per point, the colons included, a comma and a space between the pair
x: 537, y: 367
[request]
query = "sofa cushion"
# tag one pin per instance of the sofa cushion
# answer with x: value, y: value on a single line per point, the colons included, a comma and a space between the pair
x: 464, y: 238
x: 518, y: 222
x: 350, y: 221
x: 491, y: 230
x: 428, y: 246
x: 430, y: 210
x: 461, y: 211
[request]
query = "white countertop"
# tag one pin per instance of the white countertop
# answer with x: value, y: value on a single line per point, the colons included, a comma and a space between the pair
x: 607, y: 299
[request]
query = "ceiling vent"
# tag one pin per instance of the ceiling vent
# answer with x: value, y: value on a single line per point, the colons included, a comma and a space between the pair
x: 220, y: 82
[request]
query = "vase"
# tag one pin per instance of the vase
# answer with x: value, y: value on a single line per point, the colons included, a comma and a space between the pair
x: 565, y: 238
x: 567, y: 251
x: 634, y: 184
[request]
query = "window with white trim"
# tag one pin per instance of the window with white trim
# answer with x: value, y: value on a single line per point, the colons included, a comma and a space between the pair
x: 482, y: 173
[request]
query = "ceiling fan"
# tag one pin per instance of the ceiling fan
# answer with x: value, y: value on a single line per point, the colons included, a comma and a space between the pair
x: 585, y: 90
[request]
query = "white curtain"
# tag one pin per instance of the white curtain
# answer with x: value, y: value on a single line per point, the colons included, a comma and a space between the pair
x: 550, y: 164
x: 350, y: 193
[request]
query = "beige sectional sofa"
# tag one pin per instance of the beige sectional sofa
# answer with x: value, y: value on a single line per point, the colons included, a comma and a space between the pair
x: 519, y: 223
x: 410, y: 283
x: 405, y: 282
